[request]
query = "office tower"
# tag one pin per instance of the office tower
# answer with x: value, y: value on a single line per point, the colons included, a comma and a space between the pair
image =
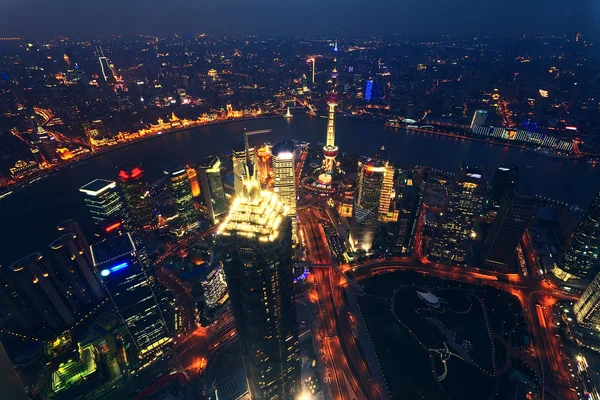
x: 238, y: 157
x: 479, y: 118
x: 505, y: 179
x: 138, y: 202
x: 365, y: 213
x: 72, y: 226
x: 587, y: 308
x: 465, y: 203
x: 117, y: 261
x: 408, y: 206
x: 330, y: 150
x: 181, y: 195
x: 12, y: 388
x: 284, y: 182
x: 387, y: 194
x: 581, y: 256
x: 102, y: 200
x: 193, y: 178
x: 263, y: 163
x: 211, y: 185
x: 75, y: 270
x: 256, y: 249
x: 37, y: 293
x: 514, y: 215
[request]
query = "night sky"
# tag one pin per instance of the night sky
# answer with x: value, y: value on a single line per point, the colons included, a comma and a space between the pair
x: 39, y: 18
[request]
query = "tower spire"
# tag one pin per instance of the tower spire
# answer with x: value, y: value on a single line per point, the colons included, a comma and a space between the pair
x: 330, y: 150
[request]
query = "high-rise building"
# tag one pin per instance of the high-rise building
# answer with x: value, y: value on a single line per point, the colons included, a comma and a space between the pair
x: 587, y: 308
x: 284, y: 182
x: 72, y: 226
x: 238, y: 157
x: 255, y: 242
x: 103, y: 200
x: 138, y: 202
x: 263, y: 163
x: 465, y: 204
x: 479, y: 118
x: 193, y: 178
x: 117, y: 262
x: 504, y: 180
x: 214, y: 286
x: 181, y: 195
x: 386, y: 214
x: 365, y: 213
x: 581, y: 256
x: 37, y: 294
x: 514, y: 215
x: 211, y: 185
x: 75, y: 271
x: 9, y: 380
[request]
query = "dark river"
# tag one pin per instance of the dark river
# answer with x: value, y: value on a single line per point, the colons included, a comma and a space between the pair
x: 28, y: 218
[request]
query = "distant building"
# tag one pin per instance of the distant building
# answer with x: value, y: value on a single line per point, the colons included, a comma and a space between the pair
x: 255, y: 243
x: 479, y: 118
x: 75, y: 272
x: 587, y: 308
x: 211, y: 187
x: 365, y: 212
x: 23, y: 168
x: 514, y: 215
x: 214, y: 287
x: 138, y: 202
x: 581, y: 256
x: 504, y: 180
x: 103, y: 200
x: 181, y: 195
x: 451, y: 244
x: 36, y: 295
x: 117, y: 261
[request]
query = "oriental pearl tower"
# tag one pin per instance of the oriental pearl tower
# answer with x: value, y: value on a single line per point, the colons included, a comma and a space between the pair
x: 330, y: 150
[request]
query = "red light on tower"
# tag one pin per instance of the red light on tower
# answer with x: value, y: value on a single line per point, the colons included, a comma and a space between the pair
x: 112, y: 227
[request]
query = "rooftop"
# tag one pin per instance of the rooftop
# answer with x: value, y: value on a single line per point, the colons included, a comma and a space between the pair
x: 112, y: 248
x: 97, y: 186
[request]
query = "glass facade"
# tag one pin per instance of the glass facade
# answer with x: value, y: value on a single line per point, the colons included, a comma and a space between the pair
x: 365, y: 213
x: 102, y: 200
x: 255, y: 243
x: 138, y: 201
x: 581, y: 256
x: 116, y: 261
x: 211, y: 187
x: 181, y: 195
x: 587, y: 308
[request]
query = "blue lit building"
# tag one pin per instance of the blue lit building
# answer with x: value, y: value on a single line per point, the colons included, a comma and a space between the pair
x: 117, y: 261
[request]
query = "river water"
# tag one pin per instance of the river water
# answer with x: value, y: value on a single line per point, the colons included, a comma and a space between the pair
x: 28, y: 218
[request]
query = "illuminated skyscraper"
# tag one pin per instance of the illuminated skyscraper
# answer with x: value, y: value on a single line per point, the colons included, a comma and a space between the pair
x: 330, y: 150
x: 36, y: 294
x: 238, y: 157
x: 75, y: 272
x: 181, y: 195
x: 581, y: 256
x: 284, y: 182
x: 211, y: 185
x: 193, y: 178
x: 117, y: 261
x: 514, y: 215
x: 365, y: 213
x: 587, y: 308
x: 263, y: 163
x: 465, y: 203
x: 255, y: 242
x: 138, y: 202
x: 387, y: 192
x: 103, y: 200
x: 72, y: 226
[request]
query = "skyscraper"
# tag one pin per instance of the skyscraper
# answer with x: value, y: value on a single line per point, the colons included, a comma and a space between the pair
x: 9, y: 380
x: 37, y: 293
x: 238, y: 157
x: 284, y: 182
x: 515, y: 214
x: 256, y: 249
x: 587, y: 308
x: 505, y: 179
x: 138, y: 202
x: 103, y: 200
x: 479, y: 118
x: 387, y: 194
x: 181, y: 195
x: 75, y: 272
x: 263, y: 163
x: 365, y: 213
x: 116, y: 260
x: 211, y: 185
x: 465, y: 203
x: 581, y: 256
